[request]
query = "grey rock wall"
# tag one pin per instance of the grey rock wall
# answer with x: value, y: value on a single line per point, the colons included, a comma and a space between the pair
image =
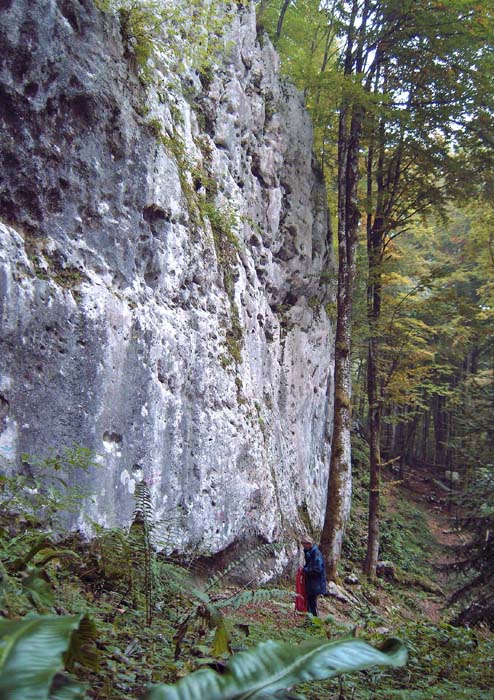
x: 163, y: 277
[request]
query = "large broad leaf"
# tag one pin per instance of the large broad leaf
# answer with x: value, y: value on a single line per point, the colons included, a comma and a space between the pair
x: 274, y: 666
x: 39, y: 590
x: 31, y: 653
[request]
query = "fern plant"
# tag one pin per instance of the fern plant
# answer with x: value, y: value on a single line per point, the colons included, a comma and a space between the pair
x: 142, y: 552
x: 26, y: 576
x: 207, y: 612
x: 135, y: 559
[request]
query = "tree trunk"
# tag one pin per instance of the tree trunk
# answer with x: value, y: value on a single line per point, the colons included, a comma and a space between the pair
x: 375, y: 240
x: 374, y: 399
x: 340, y: 471
x: 281, y: 17
x: 372, y: 553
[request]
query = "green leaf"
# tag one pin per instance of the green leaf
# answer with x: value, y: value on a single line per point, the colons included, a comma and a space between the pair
x: 82, y: 647
x: 39, y: 590
x: 31, y: 652
x: 41, y: 542
x: 273, y: 666
x: 51, y: 554
x: 221, y: 640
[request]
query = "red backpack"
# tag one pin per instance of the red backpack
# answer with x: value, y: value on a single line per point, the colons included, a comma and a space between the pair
x: 300, y: 597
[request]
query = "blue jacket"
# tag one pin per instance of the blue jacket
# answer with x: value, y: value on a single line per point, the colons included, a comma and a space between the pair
x: 315, y: 572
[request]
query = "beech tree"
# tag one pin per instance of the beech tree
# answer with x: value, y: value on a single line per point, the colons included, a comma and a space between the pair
x: 349, y: 21
x: 413, y: 81
x: 350, y: 125
x: 429, y: 83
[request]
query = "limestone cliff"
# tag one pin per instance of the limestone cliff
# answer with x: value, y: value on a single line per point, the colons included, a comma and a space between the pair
x: 163, y: 276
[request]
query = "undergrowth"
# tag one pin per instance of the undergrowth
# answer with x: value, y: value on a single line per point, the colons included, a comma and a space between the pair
x: 157, y: 621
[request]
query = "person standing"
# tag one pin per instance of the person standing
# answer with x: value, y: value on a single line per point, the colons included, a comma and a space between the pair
x: 315, y: 574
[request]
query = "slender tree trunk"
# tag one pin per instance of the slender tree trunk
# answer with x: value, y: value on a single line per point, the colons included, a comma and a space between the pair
x: 426, y: 420
x: 374, y: 399
x: 375, y: 238
x: 372, y: 553
x: 340, y: 470
x: 439, y: 420
x: 340, y: 473
x: 281, y: 17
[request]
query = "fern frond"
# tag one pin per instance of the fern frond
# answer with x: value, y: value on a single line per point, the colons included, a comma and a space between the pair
x: 261, y: 551
x: 166, y: 534
x: 143, y: 508
x: 252, y: 597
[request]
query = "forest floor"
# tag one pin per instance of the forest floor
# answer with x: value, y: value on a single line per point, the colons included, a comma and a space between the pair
x: 420, y: 540
x: 418, y: 537
x: 424, y: 488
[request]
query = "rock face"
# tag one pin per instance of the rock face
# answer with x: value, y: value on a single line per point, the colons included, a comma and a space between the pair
x: 163, y: 277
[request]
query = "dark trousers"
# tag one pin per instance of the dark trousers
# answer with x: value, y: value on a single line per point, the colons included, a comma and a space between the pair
x: 312, y: 603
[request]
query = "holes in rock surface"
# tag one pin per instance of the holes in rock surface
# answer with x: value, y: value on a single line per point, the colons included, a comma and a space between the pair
x: 22, y: 63
x: 256, y: 167
x: 82, y: 108
x: 287, y: 187
x: 74, y: 82
x: 8, y: 109
x: 151, y: 276
x: 78, y: 109
x: 153, y: 214
x: 67, y: 10
x: 54, y: 199
x: 290, y: 299
x: 29, y: 201
x: 116, y: 143
x: 112, y: 438
x: 10, y: 161
x: 31, y: 89
x: 9, y: 213
x: 51, y: 107
x: 4, y: 411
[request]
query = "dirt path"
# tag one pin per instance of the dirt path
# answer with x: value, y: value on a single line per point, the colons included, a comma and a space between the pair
x: 423, y: 484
